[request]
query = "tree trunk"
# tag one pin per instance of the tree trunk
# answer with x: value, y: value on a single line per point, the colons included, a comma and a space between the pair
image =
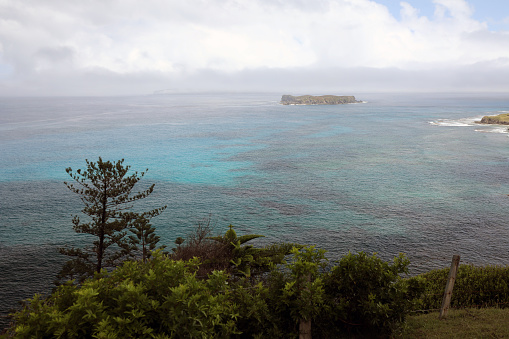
x: 100, y: 250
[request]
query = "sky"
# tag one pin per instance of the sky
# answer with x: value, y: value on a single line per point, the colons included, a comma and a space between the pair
x: 138, y: 47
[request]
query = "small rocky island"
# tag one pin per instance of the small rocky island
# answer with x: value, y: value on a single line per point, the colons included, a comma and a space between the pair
x: 318, y: 100
x: 501, y: 119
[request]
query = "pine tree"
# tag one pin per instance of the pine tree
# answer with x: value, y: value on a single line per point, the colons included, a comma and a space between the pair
x: 144, y: 239
x: 105, y: 188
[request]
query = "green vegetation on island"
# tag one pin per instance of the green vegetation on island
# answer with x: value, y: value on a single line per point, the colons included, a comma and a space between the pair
x: 220, y: 287
x: 501, y: 119
x: 317, y: 100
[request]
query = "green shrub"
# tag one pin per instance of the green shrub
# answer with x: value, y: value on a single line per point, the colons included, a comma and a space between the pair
x: 473, y: 287
x: 160, y: 298
x: 253, y: 317
x: 297, y: 289
x: 367, y: 296
x: 360, y: 295
x: 230, y: 253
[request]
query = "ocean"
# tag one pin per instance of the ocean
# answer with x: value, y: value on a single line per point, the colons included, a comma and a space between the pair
x: 410, y: 173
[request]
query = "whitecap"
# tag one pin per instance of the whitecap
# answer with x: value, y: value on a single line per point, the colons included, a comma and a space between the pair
x: 463, y: 122
x: 497, y: 129
x: 472, y: 121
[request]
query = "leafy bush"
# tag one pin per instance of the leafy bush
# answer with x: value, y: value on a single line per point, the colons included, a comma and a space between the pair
x: 230, y: 253
x: 213, y: 255
x: 367, y: 296
x: 161, y: 298
x: 361, y: 295
x: 473, y: 287
x: 296, y: 292
x: 304, y: 293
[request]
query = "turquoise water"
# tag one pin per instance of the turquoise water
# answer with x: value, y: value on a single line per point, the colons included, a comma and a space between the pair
x: 398, y: 173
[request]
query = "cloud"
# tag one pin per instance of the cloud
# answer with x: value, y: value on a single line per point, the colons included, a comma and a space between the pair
x: 458, y: 9
x: 44, y: 45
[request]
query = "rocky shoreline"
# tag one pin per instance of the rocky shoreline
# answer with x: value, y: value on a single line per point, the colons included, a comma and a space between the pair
x: 318, y: 100
x: 501, y: 119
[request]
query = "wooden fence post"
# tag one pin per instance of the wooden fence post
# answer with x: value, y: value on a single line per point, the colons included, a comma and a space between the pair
x: 305, y: 329
x: 448, y: 287
x: 305, y: 325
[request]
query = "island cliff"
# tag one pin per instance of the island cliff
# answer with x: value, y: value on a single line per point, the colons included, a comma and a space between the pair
x: 317, y: 100
x: 501, y: 119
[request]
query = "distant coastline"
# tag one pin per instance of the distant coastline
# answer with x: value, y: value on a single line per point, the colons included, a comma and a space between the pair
x: 318, y: 100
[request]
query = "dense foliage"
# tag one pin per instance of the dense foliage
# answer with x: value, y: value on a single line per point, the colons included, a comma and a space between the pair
x: 368, y: 296
x: 229, y: 252
x: 359, y: 296
x: 162, y: 298
x: 473, y: 287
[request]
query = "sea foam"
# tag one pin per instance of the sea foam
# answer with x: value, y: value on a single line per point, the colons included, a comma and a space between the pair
x: 462, y: 122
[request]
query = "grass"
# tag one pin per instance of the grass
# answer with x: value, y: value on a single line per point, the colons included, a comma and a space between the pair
x: 465, y: 323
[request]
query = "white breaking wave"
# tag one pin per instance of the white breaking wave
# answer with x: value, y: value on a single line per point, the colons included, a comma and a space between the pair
x: 473, y: 121
x: 463, y: 122
x: 497, y: 129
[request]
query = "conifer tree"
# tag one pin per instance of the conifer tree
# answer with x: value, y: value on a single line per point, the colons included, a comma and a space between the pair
x: 105, y: 188
x: 144, y: 239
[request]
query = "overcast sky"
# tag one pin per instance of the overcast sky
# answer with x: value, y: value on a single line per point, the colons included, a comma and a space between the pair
x: 113, y: 47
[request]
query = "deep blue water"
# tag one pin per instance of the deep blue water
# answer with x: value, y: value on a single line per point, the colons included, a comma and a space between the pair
x: 399, y: 173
